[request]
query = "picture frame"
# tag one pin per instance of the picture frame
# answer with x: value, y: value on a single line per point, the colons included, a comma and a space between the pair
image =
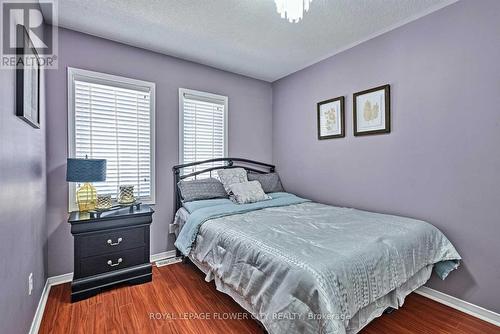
x: 27, y: 79
x: 331, y: 118
x: 372, y: 111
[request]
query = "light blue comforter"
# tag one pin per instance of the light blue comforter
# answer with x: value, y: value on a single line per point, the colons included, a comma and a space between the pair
x: 188, y: 234
x: 304, y: 267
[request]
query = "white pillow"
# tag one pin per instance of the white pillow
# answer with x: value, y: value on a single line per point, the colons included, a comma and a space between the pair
x: 248, y: 192
x: 231, y: 176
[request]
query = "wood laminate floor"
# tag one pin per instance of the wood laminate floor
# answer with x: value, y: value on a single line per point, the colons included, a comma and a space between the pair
x: 178, y: 292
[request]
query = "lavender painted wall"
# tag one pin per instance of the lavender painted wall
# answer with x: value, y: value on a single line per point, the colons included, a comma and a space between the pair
x: 23, y: 231
x: 441, y: 161
x: 249, y: 125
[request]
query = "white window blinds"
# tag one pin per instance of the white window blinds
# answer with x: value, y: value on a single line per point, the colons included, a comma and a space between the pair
x: 203, y: 128
x: 113, y: 119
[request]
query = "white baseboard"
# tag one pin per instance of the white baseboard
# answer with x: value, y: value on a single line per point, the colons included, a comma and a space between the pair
x: 65, y: 278
x: 60, y: 279
x: 37, y: 319
x: 461, y: 305
x: 162, y: 256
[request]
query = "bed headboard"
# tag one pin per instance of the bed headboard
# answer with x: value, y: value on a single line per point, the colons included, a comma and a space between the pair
x: 248, y: 165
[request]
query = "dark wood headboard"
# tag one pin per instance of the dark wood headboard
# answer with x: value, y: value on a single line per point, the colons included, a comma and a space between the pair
x: 249, y: 165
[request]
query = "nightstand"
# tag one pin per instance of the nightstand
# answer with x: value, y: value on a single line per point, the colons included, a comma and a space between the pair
x: 110, y: 249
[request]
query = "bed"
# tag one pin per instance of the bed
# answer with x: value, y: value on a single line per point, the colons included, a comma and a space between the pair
x: 304, y: 267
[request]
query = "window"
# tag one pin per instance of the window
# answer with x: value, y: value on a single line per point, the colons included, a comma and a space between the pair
x: 113, y: 118
x: 203, y: 127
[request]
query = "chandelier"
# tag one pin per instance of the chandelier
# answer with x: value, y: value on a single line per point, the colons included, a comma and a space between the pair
x: 293, y: 10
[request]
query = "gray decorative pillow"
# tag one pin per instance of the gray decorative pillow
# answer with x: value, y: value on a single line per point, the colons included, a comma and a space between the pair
x: 248, y: 192
x: 270, y: 182
x: 201, y: 189
x: 231, y: 176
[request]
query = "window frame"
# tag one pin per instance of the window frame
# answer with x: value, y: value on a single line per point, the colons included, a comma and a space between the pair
x: 207, y: 95
x: 117, y: 81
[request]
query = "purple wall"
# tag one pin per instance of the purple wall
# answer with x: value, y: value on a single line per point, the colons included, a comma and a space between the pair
x: 249, y: 125
x: 440, y: 163
x: 23, y: 231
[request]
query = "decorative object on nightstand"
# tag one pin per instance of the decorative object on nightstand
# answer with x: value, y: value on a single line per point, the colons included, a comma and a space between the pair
x: 110, y: 249
x: 104, y: 202
x: 86, y: 171
x: 126, y: 195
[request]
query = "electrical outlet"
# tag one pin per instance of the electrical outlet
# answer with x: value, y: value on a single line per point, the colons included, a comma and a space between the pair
x: 30, y: 283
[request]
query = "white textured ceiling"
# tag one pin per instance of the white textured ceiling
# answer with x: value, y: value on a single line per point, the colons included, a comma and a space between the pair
x: 242, y: 36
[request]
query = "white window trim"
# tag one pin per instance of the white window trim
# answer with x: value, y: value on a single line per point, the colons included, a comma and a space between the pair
x: 183, y: 91
x: 123, y: 82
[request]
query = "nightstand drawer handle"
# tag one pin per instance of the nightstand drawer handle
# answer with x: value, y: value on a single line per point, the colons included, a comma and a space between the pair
x: 111, y: 264
x: 111, y: 243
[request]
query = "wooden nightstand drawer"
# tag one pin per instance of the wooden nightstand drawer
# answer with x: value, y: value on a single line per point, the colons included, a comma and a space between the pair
x: 112, y: 241
x: 113, y: 261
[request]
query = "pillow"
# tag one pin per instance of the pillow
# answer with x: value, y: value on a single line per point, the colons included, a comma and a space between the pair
x: 270, y: 182
x: 205, y: 203
x: 231, y: 176
x: 201, y: 189
x: 248, y: 192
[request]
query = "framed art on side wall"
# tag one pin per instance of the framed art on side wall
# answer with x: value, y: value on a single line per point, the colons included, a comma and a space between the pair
x: 372, y: 111
x: 331, y: 120
x: 27, y: 80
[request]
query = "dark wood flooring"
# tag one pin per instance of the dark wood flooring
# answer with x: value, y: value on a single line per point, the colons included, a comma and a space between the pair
x: 179, y: 292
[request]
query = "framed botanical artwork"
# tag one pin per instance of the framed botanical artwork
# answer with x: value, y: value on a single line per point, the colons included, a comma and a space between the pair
x: 27, y: 80
x: 331, y: 120
x: 372, y: 111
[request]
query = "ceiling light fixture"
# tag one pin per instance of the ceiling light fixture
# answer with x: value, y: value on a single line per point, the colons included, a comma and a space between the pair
x: 293, y: 10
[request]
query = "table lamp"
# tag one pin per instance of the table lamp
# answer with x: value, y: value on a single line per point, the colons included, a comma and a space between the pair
x: 86, y: 171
